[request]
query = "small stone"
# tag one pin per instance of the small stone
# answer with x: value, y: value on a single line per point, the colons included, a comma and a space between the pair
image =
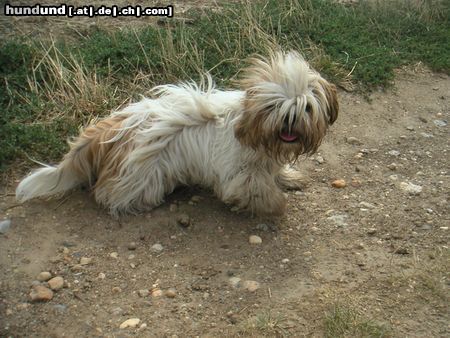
x: 254, y: 239
x: 101, y: 275
x: 116, y: 289
x: 320, y: 159
x: 4, y: 226
x: 132, y: 246
x: 44, y: 276
x: 422, y: 119
x: 56, y: 283
x: 157, y: 292
x: 85, y: 260
x: 251, y: 285
x: 393, y: 177
x: 262, y: 227
x: 355, y: 182
x: 171, y: 293
x: 394, y: 153
x: 143, y: 326
x: 426, y: 135
x: 143, y: 293
x: 285, y: 260
x: 402, y: 251
x: 366, y: 205
x: 157, y: 248
x: 410, y: 128
x: 440, y: 123
x: 353, y: 140
x: 411, y: 188
x: 130, y: 323
x: 173, y: 207
x: 196, y: 198
x: 392, y: 166
x: 339, y: 184
x: 114, y: 255
x: 234, y: 282
x: 41, y: 293
x: 371, y: 231
x: 184, y: 220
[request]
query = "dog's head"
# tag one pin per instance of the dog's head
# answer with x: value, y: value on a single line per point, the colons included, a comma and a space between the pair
x: 287, y: 107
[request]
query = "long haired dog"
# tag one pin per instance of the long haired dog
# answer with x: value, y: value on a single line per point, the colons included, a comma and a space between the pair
x: 238, y: 143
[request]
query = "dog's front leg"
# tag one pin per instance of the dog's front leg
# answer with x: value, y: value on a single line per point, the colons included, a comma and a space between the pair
x: 256, y: 192
x: 290, y: 179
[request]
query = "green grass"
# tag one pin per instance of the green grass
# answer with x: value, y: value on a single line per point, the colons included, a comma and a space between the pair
x: 50, y: 88
x: 344, y: 321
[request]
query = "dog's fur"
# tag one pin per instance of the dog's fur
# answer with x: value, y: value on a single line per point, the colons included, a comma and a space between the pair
x: 236, y: 142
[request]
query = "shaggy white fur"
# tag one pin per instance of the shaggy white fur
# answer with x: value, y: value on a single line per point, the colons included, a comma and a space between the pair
x: 235, y: 142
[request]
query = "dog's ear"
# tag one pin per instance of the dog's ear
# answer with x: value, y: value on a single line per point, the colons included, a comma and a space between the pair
x: 332, y: 100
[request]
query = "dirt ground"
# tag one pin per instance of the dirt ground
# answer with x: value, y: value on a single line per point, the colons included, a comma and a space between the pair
x: 372, y: 246
x: 378, y: 246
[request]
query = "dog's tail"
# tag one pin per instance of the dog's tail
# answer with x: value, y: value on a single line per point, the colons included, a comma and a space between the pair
x: 80, y: 164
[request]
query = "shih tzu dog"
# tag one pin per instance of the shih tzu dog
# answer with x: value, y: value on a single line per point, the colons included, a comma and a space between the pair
x: 238, y: 143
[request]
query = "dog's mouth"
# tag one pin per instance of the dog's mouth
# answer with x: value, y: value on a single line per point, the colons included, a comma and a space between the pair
x: 287, y: 134
x: 288, y: 137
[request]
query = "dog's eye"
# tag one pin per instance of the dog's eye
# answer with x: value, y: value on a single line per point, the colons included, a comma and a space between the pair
x: 308, y: 108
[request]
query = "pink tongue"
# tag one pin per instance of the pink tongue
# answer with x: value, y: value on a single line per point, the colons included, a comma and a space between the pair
x: 288, y: 137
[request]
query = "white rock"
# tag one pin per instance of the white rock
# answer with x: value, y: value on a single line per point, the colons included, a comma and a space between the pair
x: 4, y: 226
x: 234, y: 282
x: 157, y: 248
x: 114, y: 255
x: 411, y: 188
x: 394, y: 153
x: 132, y: 323
x: 366, y: 205
x: 254, y: 239
x: 44, y: 276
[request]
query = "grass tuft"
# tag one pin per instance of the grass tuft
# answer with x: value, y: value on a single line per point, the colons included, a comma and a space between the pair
x: 344, y: 321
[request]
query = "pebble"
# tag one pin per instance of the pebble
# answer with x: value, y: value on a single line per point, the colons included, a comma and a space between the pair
x: 56, y: 283
x: 4, y: 226
x: 114, y: 255
x: 101, y: 275
x: 143, y: 293
x: 423, y: 119
x: 410, y: 128
x: 366, y: 205
x: 262, y: 227
x: 440, y: 123
x: 402, y: 251
x: 372, y: 231
x: 251, y: 285
x: 285, y: 260
x: 116, y: 289
x: 196, y: 198
x: 426, y: 135
x: 254, y: 239
x: 132, y: 246
x: 392, y: 166
x: 41, y: 293
x: 353, y: 140
x: 339, y: 184
x: 173, y: 207
x: 85, y: 260
x: 234, y: 282
x: 157, y: 292
x: 157, y: 248
x: 411, y: 188
x: 132, y: 323
x: 171, y: 293
x: 394, y: 153
x: 320, y: 159
x: 339, y: 220
x: 184, y: 220
x: 44, y: 276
